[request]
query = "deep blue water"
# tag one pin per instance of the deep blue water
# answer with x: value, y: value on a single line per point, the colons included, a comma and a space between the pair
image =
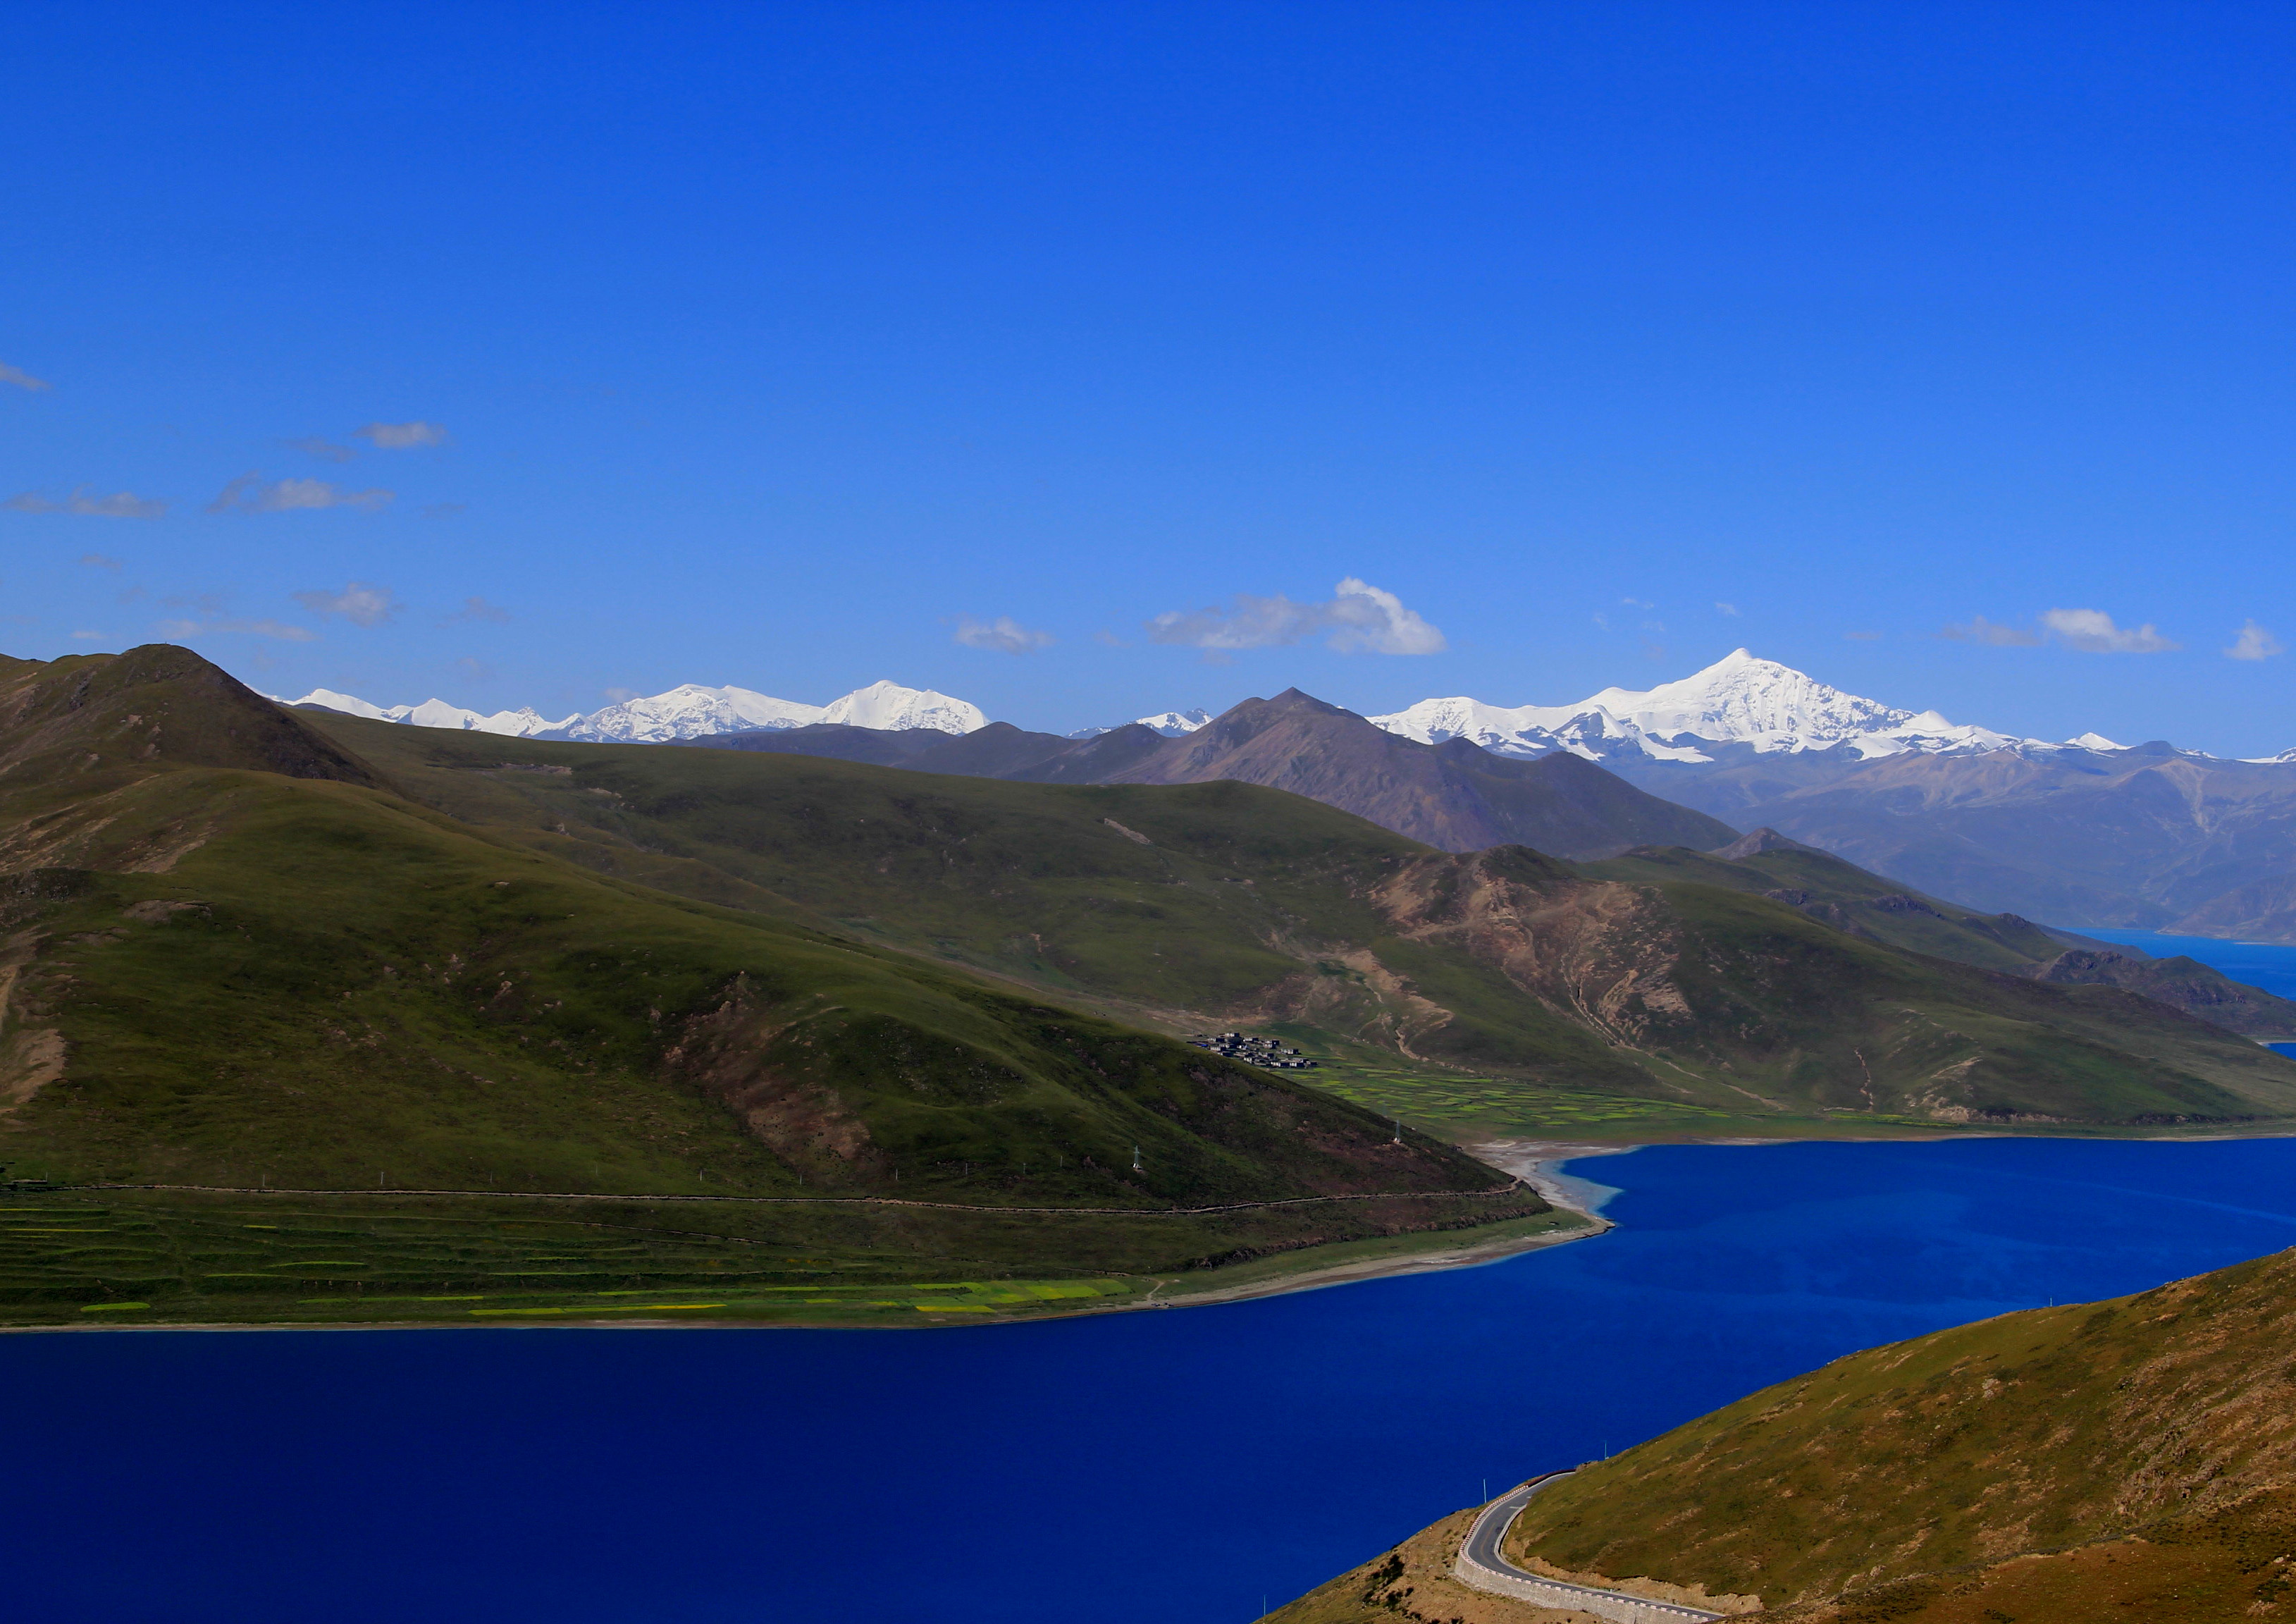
x: 1150, y: 1466
x: 2266, y: 965
x: 1147, y: 1467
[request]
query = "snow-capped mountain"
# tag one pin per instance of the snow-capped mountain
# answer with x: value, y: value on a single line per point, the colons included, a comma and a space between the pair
x: 686, y: 712
x: 1740, y: 700
x: 1171, y: 724
x: 888, y: 705
x: 436, y: 713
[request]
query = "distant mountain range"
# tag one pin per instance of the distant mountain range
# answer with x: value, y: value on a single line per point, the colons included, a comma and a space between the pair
x: 2082, y: 832
x: 1454, y: 796
x: 687, y: 711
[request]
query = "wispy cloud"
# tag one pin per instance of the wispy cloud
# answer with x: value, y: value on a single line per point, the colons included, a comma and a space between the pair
x: 248, y: 494
x: 2093, y: 632
x: 1004, y: 635
x: 476, y: 670
x: 22, y: 378
x: 1991, y: 633
x: 401, y: 436
x: 2254, y: 643
x: 325, y: 450
x: 477, y: 608
x: 87, y: 637
x: 88, y: 504
x: 223, y: 625
x: 1727, y: 609
x: 1863, y: 636
x: 441, y: 510
x: 97, y: 560
x: 1359, y: 619
x: 358, y: 603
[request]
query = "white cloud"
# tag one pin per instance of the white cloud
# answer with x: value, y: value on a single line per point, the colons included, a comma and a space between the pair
x: 249, y: 494
x: 1992, y: 633
x: 241, y: 628
x: 401, y: 436
x: 441, y: 510
x: 1004, y: 634
x: 84, y: 501
x: 87, y: 637
x: 22, y: 378
x: 97, y: 560
x: 1359, y: 619
x: 325, y: 450
x: 1863, y: 636
x: 358, y: 603
x: 2254, y: 643
x: 621, y: 695
x: 1637, y: 603
x: 1727, y: 609
x: 2093, y: 632
x: 478, y: 609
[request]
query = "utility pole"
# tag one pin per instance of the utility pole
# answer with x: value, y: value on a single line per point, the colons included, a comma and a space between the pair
x: 1136, y: 1159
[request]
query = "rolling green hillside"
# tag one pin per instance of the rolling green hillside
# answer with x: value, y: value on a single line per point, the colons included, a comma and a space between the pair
x: 242, y: 949
x: 2124, y: 1459
x: 1228, y: 903
x: 1845, y: 897
x: 233, y: 959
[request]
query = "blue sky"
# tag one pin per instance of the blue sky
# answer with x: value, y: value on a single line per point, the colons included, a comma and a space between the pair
x: 794, y: 347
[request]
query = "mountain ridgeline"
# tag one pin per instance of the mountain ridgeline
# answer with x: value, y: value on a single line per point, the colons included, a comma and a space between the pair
x: 308, y: 947
x: 1183, y: 905
x: 237, y: 953
x: 1454, y: 797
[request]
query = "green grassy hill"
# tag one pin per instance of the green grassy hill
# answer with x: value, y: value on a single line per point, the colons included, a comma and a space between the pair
x: 1228, y: 903
x: 242, y: 948
x: 234, y: 958
x: 2124, y: 1459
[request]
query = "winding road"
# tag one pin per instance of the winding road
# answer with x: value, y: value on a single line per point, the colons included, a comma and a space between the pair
x: 1481, y: 1567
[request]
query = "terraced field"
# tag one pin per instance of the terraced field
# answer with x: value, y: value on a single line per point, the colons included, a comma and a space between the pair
x: 123, y: 1257
x: 272, y: 1259
x: 1460, y: 1104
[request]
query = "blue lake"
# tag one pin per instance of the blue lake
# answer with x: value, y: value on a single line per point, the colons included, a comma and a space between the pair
x: 1133, y: 1467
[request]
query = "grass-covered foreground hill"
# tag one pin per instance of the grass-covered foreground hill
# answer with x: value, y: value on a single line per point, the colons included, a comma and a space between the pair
x: 2131, y: 1459
x: 235, y: 957
x: 1673, y: 983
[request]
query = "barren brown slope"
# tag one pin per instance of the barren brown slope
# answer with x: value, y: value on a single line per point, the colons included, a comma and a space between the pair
x: 1454, y: 796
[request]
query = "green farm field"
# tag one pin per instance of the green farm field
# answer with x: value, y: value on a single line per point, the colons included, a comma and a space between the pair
x: 129, y: 1257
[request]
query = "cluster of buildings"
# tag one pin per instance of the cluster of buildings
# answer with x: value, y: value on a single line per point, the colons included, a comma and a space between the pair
x: 1251, y: 1050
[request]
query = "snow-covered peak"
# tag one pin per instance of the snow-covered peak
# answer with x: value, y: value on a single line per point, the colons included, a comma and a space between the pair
x: 350, y: 704
x: 1739, y: 699
x: 689, y: 711
x: 1171, y: 724
x: 436, y: 713
x: 888, y: 705
x: 2283, y: 758
x: 2097, y: 741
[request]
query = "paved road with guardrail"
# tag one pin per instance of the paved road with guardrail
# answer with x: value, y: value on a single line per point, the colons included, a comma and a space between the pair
x: 1480, y: 1567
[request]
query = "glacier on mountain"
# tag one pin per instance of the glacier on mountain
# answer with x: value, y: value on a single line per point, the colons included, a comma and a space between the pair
x: 525, y: 722
x: 688, y: 711
x: 888, y: 705
x: 1739, y: 699
x: 1171, y: 724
